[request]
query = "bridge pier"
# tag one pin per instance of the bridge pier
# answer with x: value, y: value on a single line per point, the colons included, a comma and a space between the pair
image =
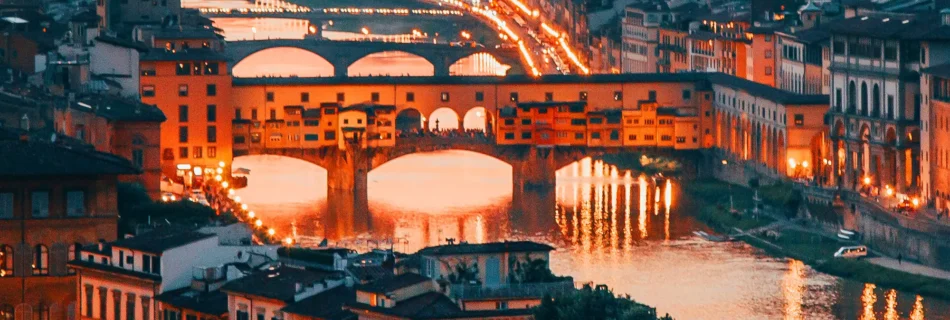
x: 535, y: 170
x: 348, y: 170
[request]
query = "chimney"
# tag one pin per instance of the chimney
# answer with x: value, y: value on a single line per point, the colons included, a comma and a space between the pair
x: 102, y: 244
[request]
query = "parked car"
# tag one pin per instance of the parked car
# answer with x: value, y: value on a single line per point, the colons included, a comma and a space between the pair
x: 168, y: 196
x: 852, y: 252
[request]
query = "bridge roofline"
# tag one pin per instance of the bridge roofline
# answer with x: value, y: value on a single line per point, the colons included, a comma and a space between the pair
x: 469, y: 80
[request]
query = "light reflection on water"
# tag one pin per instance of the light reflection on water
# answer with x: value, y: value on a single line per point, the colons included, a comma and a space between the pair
x: 421, y: 199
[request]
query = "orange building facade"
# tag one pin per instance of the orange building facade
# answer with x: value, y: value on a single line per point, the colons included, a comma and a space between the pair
x: 193, y: 89
x: 46, y: 214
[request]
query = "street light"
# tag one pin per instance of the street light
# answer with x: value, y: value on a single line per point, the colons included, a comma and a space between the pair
x: 365, y: 30
x: 258, y: 222
x: 867, y: 180
x: 251, y: 214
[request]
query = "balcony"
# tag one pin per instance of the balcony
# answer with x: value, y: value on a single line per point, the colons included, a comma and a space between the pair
x: 520, y: 290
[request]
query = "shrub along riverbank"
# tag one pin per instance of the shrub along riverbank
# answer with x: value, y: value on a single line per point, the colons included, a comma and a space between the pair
x: 812, y: 248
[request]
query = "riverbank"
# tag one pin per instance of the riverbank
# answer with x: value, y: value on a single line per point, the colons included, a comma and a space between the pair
x: 787, y: 238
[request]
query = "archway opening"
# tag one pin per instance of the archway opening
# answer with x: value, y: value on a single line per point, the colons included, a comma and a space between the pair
x: 478, y: 64
x: 477, y: 119
x: 283, y: 62
x: 391, y: 63
x: 408, y: 121
x: 443, y: 119
x: 275, y: 180
x: 441, y: 182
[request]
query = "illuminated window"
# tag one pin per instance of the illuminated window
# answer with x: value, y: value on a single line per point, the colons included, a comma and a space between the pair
x: 40, y: 260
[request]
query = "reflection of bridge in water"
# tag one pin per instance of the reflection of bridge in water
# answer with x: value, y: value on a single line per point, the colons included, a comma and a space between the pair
x: 317, y: 14
x: 342, y: 54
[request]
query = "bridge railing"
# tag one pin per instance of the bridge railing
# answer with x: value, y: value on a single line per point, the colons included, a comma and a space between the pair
x: 430, y: 139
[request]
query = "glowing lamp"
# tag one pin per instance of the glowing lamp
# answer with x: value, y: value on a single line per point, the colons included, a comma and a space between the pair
x: 237, y: 199
x: 244, y: 206
x: 219, y: 170
x: 221, y: 164
x: 916, y: 202
x: 288, y: 241
x: 867, y: 180
x: 270, y: 231
x: 805, y: 164
x: 251, y: 214
x: 258, y: 223
x: 724, y: 162
x: 224, y: 184
x: 217, y: 178
x: 197, y: 171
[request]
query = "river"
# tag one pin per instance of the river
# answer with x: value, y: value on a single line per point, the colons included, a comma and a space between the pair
x: 633, y: 235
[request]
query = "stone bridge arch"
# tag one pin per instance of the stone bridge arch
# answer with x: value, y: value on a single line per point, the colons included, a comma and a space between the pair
x: 237, y: 65
x: 342, y: 54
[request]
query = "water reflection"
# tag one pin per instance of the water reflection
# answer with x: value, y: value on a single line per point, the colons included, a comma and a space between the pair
x: 421, y: 200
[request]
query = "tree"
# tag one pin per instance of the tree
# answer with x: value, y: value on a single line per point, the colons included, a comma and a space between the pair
x: 593, y: 304
x: 136, y: 207
x: 462, y: 273
x: 531, y: 271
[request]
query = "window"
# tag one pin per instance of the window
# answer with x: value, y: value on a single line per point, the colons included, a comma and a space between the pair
x: 75, y: 203
x: 212, y: 152
x: 183, y: 152
x: 329, y: 135
x: 148, y: 91
x: 596, y: 120
x: 374, y: 96
x: 183, y: 134
x: 212, y: 90
x: 595, y: 135
x: 665, y: 138
x: 7, y: 260
x: 582, y: 96
x: 890, y: 106
x: 171, y: 315
x: 340, y: 97
x: 578, y: 122
x: 40, y: 260
x: 183, y: 90
x: 212, y: 113
x: 526, y: 135
x: 129, y: 306
x: 182, y: 113
x: 509, y: 135
x: 273, y: 114
x: 501, y: 305
x: 768, y: 38
x: 509, y: 122
x: 614, y: 135
x: 212, y: 134
x: 6, y: 205
x: 479, y: 96
x: 196, y: 151
x: 311, y: 137
x: 648, y: 137
x: 768, y: 71
x: 513, y: 97
x: 410, y: 97
x: 444, y: 96
x: 618, y: 95
x: 183, y: 69
x: 525, y: 121
x: 838, y: 98
x: 680, y: 139
x: 687, y: 94
x: 269, y: 96
x: 146, y: 263
x: 254, y: 114
x: 138, y: 157
x: 157, y: 265
x: 632, y: 137
x: 191, y: 317
x: 768, y: 53
x: 549, y: 96
x: 40, y: 201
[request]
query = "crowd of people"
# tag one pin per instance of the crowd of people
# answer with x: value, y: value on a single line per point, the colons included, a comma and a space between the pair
x: 447, y: 133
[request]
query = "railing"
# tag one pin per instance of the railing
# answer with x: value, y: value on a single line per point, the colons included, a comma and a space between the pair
x: 520, y: 290
x: 429, y: 139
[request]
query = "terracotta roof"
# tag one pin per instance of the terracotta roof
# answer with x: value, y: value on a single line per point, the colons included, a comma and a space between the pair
x: 434, y: 305
x: 120, y: 109
x: 326, y: 305
x: 161, y: 240
x: 212, y: 303
x: 370, y: 273
x: 767, y: 92
x: 493, y: 247
x: 190, y: 54
x: 278, y: 282
x: 394, y: 283
x: 112, y: 269
x: 41, y: 158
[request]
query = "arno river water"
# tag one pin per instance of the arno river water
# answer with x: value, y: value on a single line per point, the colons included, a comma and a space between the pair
x: 608, y: 227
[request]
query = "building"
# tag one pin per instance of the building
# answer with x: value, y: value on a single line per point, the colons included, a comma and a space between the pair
x: 640, y: 36
x: 116, y: 14
x: 498, y: 261
x: 193, y: 88
x: 761, y: 56
x: 264, y: 294
x: 875, y: 118
x: 117, y: 60
x: 124, y: 278
x: 777, y: 132
x: 801, y: 61
x: 53, y: 200
x: 413, y: 296
x: 120, y: 126
x: 935, y: 158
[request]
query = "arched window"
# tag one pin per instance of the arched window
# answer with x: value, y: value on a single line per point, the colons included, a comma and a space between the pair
x: 876, y: 101
x: 6, y: 261
x: 40, y: 260
x: 852, y: 97
x: 6, y: 312
x: 864, y: 98
x: 42, y: 312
